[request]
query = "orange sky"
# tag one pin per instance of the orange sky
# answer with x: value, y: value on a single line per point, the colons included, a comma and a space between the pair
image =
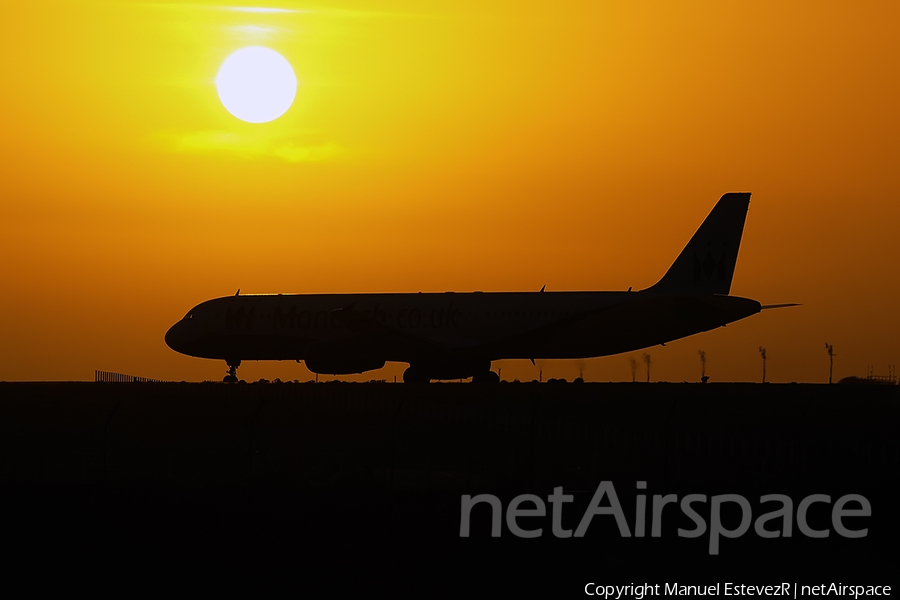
x: 447, y: 146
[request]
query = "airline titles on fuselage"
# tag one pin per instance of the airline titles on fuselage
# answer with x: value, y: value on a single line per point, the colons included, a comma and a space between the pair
x: 282, y: 318
x: 293, y: 318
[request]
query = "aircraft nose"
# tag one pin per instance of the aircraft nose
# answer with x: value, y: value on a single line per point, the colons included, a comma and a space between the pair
x: 175, y: 336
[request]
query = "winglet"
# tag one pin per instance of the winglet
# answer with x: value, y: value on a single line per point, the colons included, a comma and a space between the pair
x: 238, y: 293
x: 543, y: 287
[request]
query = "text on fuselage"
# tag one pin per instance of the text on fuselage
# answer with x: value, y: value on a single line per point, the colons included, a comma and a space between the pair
x: 294, y: 318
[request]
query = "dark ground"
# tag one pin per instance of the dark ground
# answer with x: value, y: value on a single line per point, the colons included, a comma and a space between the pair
x: 357, y: 487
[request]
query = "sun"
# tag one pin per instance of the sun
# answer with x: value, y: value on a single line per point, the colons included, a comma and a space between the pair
x: 256, y: 84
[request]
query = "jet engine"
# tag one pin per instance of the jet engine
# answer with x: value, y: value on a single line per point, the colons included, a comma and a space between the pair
x: 343, y: 366
x: 341, y: 357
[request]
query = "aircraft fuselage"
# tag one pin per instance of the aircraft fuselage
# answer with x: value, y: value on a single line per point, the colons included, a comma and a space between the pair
x: 410, y: 327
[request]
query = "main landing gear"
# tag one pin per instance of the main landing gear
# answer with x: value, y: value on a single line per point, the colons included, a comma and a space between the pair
x: 232, y: 371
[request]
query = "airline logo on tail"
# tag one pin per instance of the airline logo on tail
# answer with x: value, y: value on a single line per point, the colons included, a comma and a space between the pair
x: 710, y: 267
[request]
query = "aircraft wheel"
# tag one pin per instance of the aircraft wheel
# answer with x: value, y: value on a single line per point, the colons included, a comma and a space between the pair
x: 412, y: 375
x: 486, y: 377
x: 232, y: 371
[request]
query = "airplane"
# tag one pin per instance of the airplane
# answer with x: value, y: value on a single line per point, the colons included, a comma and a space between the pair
x: 445, y: 336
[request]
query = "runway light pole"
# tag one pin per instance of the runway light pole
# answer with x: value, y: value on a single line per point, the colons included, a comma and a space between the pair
x: 762, y: 353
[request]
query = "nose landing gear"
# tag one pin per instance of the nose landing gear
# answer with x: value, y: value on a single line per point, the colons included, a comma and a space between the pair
x: 232, y: 371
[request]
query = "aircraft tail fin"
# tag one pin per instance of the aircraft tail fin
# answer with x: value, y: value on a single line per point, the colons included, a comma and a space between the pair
x: 706, y: 265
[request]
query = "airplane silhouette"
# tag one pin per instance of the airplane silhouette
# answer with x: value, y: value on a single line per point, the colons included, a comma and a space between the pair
x: 457, y: 335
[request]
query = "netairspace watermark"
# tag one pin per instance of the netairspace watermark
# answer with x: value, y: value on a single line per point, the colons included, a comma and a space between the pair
x: 639, y: 591
x: 781, y: 518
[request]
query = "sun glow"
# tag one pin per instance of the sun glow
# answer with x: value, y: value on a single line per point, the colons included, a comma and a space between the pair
x: 256, y: 84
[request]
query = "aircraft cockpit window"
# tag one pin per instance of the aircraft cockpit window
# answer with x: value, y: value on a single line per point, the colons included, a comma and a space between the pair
x: 188, y: 316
